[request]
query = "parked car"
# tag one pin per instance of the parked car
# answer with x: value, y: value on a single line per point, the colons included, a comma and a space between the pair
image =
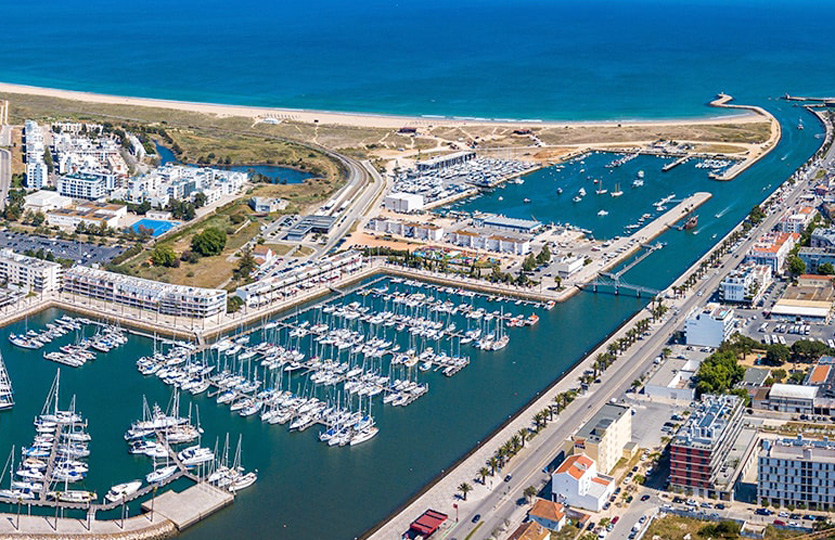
x: 645, y: 497
x: 476, y: 518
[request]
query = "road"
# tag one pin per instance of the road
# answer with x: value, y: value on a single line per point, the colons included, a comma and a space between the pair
x: 501, y: 504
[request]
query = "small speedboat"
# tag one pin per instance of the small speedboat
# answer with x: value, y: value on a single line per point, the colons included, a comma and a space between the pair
x: 123, y: 491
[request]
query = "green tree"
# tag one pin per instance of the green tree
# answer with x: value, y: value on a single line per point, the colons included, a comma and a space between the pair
x: 719, y: 373
x: 544, y: 256
x: 529, y: 263
x: 777, y: 355
x: 209, y: 242
x: 805, y: 350
x: 233, y: 304
x: 779, y: 375
x: 164, y: 256
x: 245, y: 265
x: 47, y: 158
x: 756, y: 215
x: 796, y: 265
x: 530, y: 492
x: 199, y: 199
x: 826, y: 269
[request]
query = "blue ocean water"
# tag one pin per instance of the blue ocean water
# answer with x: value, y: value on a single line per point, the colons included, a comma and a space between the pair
x: 574, y: 60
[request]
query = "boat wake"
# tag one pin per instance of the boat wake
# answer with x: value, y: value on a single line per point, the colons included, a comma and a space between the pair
x: 723, y: 212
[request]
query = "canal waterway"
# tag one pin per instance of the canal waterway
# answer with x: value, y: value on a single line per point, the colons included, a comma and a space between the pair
x: 307, y: 490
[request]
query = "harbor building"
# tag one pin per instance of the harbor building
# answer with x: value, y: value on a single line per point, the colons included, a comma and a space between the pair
x: 29, y: 273
x: 548, y: 514
x: 709, y: 326
x: 746, y: 284
x: 568, y: 266
x: 163, y: 298
x: 442, y: 162
x: 530, y: 530
x: 797, y: 472
x: 699, y: 450
x: 274, y: 288
x: 823, y: 237
x: 813, y: 257
x: 772, y: 249
x: 604, y: 437
x: 489, y: 241
x: 44, y: 201
x: 408, y: 229
x: 404, y: 203
x: 577, y: 483
x: 502, y: 223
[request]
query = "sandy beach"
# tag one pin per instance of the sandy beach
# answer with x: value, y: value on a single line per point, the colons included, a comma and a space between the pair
x: 366, y: 120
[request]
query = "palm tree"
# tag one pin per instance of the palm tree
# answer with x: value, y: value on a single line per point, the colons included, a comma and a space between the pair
x: 523, y: 435
x: 515, y: 442
x: 530, y: 492
x: 483, y: 473
x: 465, y: 488
x: 493, y: 463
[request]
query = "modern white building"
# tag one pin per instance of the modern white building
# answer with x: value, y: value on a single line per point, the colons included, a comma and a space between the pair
x: 404, y: 202
x: 162, y: 298
x: 36, y: 169
x: 674, y: 380
x: 576, y: 482
x: 408, y: 229
x: 746, y: 284
x: 44, y: 201
x: 91, y: 214
x: 709, y: 326
x: 29, y: 273
x: 267, y: 205
x: 797, y: 472
x: 489, y: 241
x: 568, y: 266
x: 90, y: 186
x: 792, y: 398
x: 772, y: 250
x: 796, y: 220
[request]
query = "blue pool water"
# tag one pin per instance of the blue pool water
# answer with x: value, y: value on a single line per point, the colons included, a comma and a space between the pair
x: 157, y: 225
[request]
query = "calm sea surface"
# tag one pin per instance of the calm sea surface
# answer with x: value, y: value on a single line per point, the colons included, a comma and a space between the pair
x: 549, y: 60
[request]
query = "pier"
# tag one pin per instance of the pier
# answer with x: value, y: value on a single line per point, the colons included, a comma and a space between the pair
x: 189, y: 506
x: 674, y: 164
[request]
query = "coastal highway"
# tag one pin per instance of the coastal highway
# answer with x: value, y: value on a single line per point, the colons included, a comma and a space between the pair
x: 501, y: 504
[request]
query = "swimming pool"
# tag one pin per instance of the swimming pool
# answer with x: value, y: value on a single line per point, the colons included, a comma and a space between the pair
x: 159, y: 226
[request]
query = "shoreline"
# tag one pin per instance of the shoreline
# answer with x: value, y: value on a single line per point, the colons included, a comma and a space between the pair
x: 355, y: 119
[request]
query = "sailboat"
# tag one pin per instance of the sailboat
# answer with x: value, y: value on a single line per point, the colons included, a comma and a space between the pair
x: 6, y: 392
x: 600, y: 189
x: 617, y: 192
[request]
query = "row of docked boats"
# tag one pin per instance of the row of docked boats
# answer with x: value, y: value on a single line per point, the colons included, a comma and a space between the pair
x: 6, y: 391
x: 33, y: 339
x: 56, y: 457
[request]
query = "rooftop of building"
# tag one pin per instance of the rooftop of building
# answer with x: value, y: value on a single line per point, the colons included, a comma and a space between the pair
x: 707, y: 421
x: 498, y: 220
x: 549, y: 510
x: 575, y: 466
x: 675, y: 372
x: 31, y: 262
x: 772, y: 243
x: 530, y: 530
x: 799, y: 449
x: 595, y: 428
x: 755, y: 377
x: 792, y: 391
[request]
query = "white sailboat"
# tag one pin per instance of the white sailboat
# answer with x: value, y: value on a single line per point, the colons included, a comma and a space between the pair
x: 6, y: 392
x: 617, y: 192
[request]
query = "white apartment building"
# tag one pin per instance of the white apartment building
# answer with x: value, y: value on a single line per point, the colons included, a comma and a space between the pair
x: 408, y: 229
x: 287, y: 283
x: 162, y: 298
x: 576, y: 482
x: 489, y: 241
x: 797, y: 472
x: 746, y: 284
x: 796, y: 220
x: 37, y: 174
x: 709, y: 326
x: 182, y: 183
x: 772, y: 250
x: 29, y: 273
x: 86, y: 185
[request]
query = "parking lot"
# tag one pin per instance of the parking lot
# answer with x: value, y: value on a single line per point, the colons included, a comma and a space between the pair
x: 79, y: 252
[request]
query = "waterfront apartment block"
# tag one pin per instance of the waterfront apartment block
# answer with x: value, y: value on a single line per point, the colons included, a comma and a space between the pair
x: 746, y: 284
x: 407, y: 229
x: 163, y: 298
x: 604, y: 437
x: 489, y: 241
x: 29, y: 273
x: 772, y: 249
x: 709, y: 326
x: 699, y: 450
x: 285, y: 284
x: 797, y: 472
